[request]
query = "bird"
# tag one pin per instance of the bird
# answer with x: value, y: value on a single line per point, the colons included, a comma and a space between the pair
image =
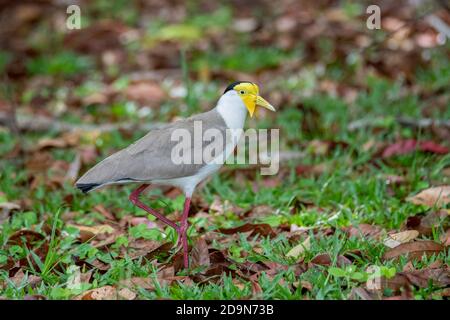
x: 149, y: 160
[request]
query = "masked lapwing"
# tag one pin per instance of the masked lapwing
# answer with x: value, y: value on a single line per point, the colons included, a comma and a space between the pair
x: 150, y: 160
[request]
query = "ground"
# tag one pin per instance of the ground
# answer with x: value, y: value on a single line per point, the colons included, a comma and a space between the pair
x: 343, y: 219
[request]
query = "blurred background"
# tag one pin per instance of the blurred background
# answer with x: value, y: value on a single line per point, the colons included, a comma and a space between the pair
x: 135, y: 64
x: 354, y: 104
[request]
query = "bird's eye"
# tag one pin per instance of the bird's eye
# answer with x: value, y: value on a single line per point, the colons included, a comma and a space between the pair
x: 242, y: 92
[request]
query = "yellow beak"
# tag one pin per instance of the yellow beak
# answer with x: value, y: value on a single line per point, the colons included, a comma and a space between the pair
x: 252, y: 100
x: 260, y: 101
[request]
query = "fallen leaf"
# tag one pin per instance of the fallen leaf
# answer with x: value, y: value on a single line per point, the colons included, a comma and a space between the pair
x: 445, y: 238
x: 96, y: 38
x: 303, y: 284
x: 414, y: 249
x: 95, y: 230
x: 238, y: 284
x: 34, y: 297
x: 445, y: 293
x: 200, y: 254
x: 299, y: 249
x: 145, y: 92
x: 430, y: 146
x: 324, y: 259
x: 225, y: 206
x: 312, y: 170
x: 99, y: 265
x: 361, y: 293
x: 138, y: 282
x: 6, y: 208
x: 262, y: 229
x: 439, y: 277
x: 51, y: 143
x: 364, y: 230
x: 435, y: 196
x: 425, y: 224
x: 149, y: 249
x: 408, y: 267
x: 397, y: 283
x: 102, y: 293
x: 29, y: 236
x: 143, y: 220
x: 100, y: 243
x: 20, y: 278
x: 126, y: 294
x: 403, y: 147
x: 396, y: 239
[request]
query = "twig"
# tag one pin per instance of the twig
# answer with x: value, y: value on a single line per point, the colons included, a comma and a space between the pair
x: 423, y: 123
x: 42, y: 124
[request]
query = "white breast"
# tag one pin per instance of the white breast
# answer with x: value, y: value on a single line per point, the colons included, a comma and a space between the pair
x: 232, y: 109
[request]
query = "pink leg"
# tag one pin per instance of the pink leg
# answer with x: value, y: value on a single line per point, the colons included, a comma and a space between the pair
x: 183, y: 232
x: 134, y: 198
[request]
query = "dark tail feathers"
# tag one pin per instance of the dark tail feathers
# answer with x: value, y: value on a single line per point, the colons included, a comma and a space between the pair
x: 86, y: 187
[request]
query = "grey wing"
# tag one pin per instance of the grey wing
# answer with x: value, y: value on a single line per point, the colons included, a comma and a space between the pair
x: 149, y: 158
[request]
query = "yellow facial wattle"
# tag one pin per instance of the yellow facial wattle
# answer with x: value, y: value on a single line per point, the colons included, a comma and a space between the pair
x: 249, y: 93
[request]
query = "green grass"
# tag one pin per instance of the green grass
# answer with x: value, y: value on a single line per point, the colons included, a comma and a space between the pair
x: 350, y: 190
x: 353, y: 189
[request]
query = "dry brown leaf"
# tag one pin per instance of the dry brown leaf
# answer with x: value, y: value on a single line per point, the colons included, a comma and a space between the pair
x: 200, y: 254
x: 31, y: 280
x: 303, y: 284
x: 102, y: 266
x: 439, y: 277
x: 35, y: 297
x: 6, y: 208
x: 143, y: 220
x: 445, y: 238
x: 238, y: 283
x: 102, y: 293
x: 360, y: 293
x: 436, y: 196
x: 425, y: 224
x: 324, y: 259
x: 364, y: 230
x: 126, y: 294
x: 29, y: 236
x: 299, y: 249
x: 95, y: 230
x: 9, y: 206
x: 145, y: 92
x: 147, y: 248
x: 396, y: 239
x: 51, y: 143
x: 262, y: 229
x: 224, y: 206
x: 414, y: 250
x: 396, y: 283
x: 100, y: 243
x: 139, y: 282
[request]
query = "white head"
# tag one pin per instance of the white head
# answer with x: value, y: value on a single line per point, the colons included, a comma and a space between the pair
x: 239, y: 98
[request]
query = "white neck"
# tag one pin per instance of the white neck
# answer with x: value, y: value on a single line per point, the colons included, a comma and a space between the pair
x: 232, y: 109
